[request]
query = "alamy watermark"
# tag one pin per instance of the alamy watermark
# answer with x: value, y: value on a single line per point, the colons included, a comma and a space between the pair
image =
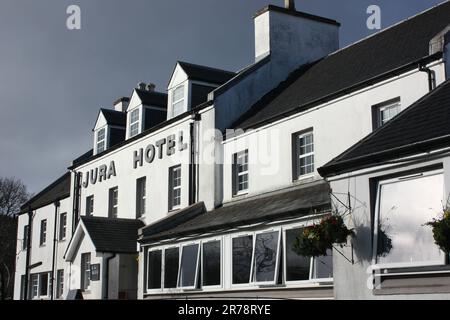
x: 73, y: 21
x: 374, y: 19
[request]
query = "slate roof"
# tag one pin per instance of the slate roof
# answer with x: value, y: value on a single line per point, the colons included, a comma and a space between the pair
x: 152, y: 98
x: 348, y: 69
x: 114, y: 117
x: 296, y: 202
x: 57, y: 190
x: 113, y: 235
x: 207, y: 74
x: 423, y: 127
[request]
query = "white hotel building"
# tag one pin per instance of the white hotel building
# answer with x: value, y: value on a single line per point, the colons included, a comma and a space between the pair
x: 170, y: 203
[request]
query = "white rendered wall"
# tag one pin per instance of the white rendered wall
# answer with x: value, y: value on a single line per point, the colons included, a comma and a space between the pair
x: 336, y: 126
x: 351, y: 280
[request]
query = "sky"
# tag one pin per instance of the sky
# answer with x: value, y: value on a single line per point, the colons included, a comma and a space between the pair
x: 54, y: 80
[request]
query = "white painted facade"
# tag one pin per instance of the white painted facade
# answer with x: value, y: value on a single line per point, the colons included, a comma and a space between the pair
x: 283, y: 42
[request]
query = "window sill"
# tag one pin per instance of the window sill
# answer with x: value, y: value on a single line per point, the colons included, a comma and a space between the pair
x: 240, y: 195
x: 412, y: 280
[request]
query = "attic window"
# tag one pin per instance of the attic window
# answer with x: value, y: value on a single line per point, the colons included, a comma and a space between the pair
x: 134, y: 123
x: 101, y: 140
x: 178, y: 101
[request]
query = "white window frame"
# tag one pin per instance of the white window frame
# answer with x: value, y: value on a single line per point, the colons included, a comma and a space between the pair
x: 400, y: 178
x: 219, y: 286
x: 311, y: 279
x: 38, y: 285
x: 277, y: 264
x: 33, y: 286
x: 136, y: 122
x: 173, y: 188
x: 155, y: 290
x: 62, y: 236
x: 83, y: 270
x: 43, y: 234
x: 194, y: 287
x: 383, y: 108
x: 174, y: 102
x: 242, y: 154
x: 102, y: 141
x: 300, y: 156
x: 241, y: 235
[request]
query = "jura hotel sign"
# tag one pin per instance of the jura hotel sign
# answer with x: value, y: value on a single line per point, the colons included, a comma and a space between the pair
x: 164, y: 147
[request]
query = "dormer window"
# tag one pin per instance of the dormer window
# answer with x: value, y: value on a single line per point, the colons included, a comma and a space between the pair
x: 178, y: 101
x: 134, y: 122
x: 101, y: 140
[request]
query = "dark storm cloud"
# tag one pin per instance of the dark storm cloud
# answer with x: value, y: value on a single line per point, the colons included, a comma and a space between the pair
x: 53, y: 81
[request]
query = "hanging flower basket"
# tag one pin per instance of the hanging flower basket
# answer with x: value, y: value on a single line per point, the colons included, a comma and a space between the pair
x: 441, y: 231
x: 384, y: 246
x: 316, y: 240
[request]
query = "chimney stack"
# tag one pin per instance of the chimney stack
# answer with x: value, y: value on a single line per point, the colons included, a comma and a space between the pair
x: 289, y: 4
x: 150, y: 87
x: 121, y: 104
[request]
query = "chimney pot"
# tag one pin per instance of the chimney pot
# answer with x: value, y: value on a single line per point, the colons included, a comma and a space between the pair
x: 289, y: 4
x: 150, y: 87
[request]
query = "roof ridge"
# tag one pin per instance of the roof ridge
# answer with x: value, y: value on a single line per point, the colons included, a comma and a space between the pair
x: 204, y: 67
x: 387, y: 28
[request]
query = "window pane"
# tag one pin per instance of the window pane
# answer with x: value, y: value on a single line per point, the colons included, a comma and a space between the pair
x: 188, y: 265
x: 86, y: 270
x: 134, y: 129
x: 242, y: 259
x: 266, y: 249
x: 211, y: 263
x: 178, y: 93
x: 101, y: 135
x: 134, y: 116
x: 171, y: 264
x: 43, y: 284
x: 297, y: 267
x: 154, y: 269
x: 405, y: 206
x: 323, y: 266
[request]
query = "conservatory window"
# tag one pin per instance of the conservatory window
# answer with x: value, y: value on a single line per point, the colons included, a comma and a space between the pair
x: 242, y: 252
x: 154, y: 269
x: 211, y: 263
x: 189, y: 266
x: 266, y: 257
x: 171, y: 266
